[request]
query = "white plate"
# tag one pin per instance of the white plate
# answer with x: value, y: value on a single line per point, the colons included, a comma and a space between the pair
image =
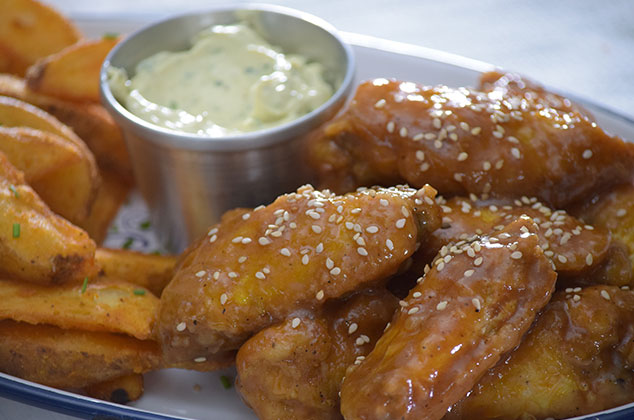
x: 178, y: 394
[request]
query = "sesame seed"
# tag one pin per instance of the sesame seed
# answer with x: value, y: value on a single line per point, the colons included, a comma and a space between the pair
x: 242, y: 259
x: 457, y: 177
x: 320, y: 295
x: 437, y: 144
x: 384, y: 202
x: 335, y: 271
x: 213, y: 239
x: 453, y: 136
x: 464, y: 126
x: 562, y: 259
x: 232, y: 275
x: 605, y: 295
x: 359, y: 341
x: 305, y: 259
x: 403, y: 132
x: 420, y: 155
x: 316, y: 228
x: 418, y: 137
x: 440, y: 266
x: 216, y: 275
x: 400, y: 223
x: 352, y: 328
x: 516, y: 255
x: 589, y: 259
x: 295, y: 322
x: 237, y: 239
x: 486, y: 165
x: 246, y: 241
x: 576, y: 298
x: 201, y: 273
x: 430, y: 136
x: 285, y: 252
x: 499, y: 164
x: 181, y: 327
x: 576, y: 289
x: 516, y: 153
x: 441, y: 306
x: 587, y: 154
x: 477, y: 262
x: 417, y: 294
x: 380, y: 103
x: 413, y: 310
x: 362, y: 251
x: 424, y: 167
x: 360, y: 240
x: 390, y: 127
x: 404, y: 211
x: 621, y: 213
x: 389, y: 244
x: 437, y: 123
x: 469, y: 273
x: 292, y: 225
x: 260, y: 275
x: 329, y: 263
x: 200, y: 359
x: 372, y: 229
x: 313, y: 214
x: 319, y: 248
x: 264, y: 241
x: 339, y: 209
x: 212, y: 231
x: 463, y: 156
x: 477, y: 304
x: 223, y: 298
x: 476, y: 130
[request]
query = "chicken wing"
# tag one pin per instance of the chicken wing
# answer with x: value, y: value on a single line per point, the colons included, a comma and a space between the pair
x: 307, y: 247
x: 293, y: 371
x: 36, y: 245
x: 577, y: 359
x: 509, y: 139
x: 470, y: 309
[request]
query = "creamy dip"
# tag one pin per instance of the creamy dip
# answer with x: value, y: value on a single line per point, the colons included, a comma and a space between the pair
x: 230, y: 81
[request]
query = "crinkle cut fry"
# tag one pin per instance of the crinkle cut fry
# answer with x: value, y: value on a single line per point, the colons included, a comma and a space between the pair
x: 501, y: 141
x: 307, y: 247
x: 458, y: 322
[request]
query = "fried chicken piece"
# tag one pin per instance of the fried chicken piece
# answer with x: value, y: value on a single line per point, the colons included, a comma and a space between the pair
x: 577, y: 359
x: 466, y: 313
x: 37, y: 245
x: 307, y: 247
x: 293, y: 371
x: 509, y: 139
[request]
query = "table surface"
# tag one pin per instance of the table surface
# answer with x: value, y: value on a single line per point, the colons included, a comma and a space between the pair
x: 585, y: 47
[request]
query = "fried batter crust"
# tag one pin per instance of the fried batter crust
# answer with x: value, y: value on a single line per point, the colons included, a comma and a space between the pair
x: 577, y: 359
x: 457, y: 323
x: 295, y: 373
x: 307, y: 247
x: 510, y: 138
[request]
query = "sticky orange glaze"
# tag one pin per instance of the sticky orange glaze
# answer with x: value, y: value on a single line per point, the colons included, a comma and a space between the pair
x: 457, y: 323
x: 254, y: 270
x: 577, y: 359
x: 508, y: 139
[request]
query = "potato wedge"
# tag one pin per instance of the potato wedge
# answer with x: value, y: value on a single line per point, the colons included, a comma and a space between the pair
x: 73, y: 73
x: 150, y: 271
x: 112, y: 193
x: 36, y: 245
x: 108, y: 306
x: 90, y: 121
x: 119, y: 390
x: 72, y: 191
x: 69, y: 358
x: 30, y: 30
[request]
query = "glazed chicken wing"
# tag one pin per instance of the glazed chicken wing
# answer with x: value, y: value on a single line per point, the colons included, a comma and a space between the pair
x: 307, y: 247
x: 577, y: 359
x: 470, y: 309
x: 293, y: 371
x: 508, y: 139
x: 37, y: 245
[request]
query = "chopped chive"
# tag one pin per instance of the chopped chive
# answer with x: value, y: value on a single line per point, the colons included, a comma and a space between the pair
x: 128, y: 243
x: 145, y: 225
x: 225, y: 381
x: 83, y: 286
x: 16, y: 230
x: 14, y: 190
x: 156, y: 252
x: 110, y: 35
x: 139, y: 292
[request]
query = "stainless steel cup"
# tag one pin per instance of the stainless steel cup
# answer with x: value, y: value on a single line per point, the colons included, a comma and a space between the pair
x: 189, y: 181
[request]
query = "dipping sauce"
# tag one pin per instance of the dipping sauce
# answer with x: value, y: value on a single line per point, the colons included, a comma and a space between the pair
x: 231, y: 81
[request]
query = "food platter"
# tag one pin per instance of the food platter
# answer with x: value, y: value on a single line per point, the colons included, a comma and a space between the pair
x: 178, y: 394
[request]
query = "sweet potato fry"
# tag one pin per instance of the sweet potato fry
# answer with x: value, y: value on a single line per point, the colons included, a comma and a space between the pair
x: 120, y: 390
x: 73, y: 73
x: 30, y: 30
x: 93, y: 306
x: 150, y: 271
x: 91, y: 122
x: 72, y: 191
x: 36, y: 245
x: 69, y: 358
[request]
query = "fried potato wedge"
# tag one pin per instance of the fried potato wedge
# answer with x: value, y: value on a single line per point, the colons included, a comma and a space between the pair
x: 120, y: 390
x: 91, y: 122
x: 111, y: 194
x: 69, y: 358
x: 72, y: 190
x: 150, y: 271
x: 93, y: 306
x: 36, y: 245
x: 30, y: 30
x: 73, y: 73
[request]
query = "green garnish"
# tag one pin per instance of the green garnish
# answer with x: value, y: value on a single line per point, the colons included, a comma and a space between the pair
x: 16, y: 230
x: 157, y: 252
x: 139, y: 292
x: 110, y: 35
x: 145, y: 225
x: 128, y: 243
x: 173, y: 105
x: 14, y: 191
x: 83, y: 286
x: 225, y: 381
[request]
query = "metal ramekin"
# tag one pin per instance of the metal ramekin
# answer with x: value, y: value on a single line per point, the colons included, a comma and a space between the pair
x: 189, y: 181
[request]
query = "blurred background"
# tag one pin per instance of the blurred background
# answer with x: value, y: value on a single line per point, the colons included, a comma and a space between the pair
x: 585, y: 47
